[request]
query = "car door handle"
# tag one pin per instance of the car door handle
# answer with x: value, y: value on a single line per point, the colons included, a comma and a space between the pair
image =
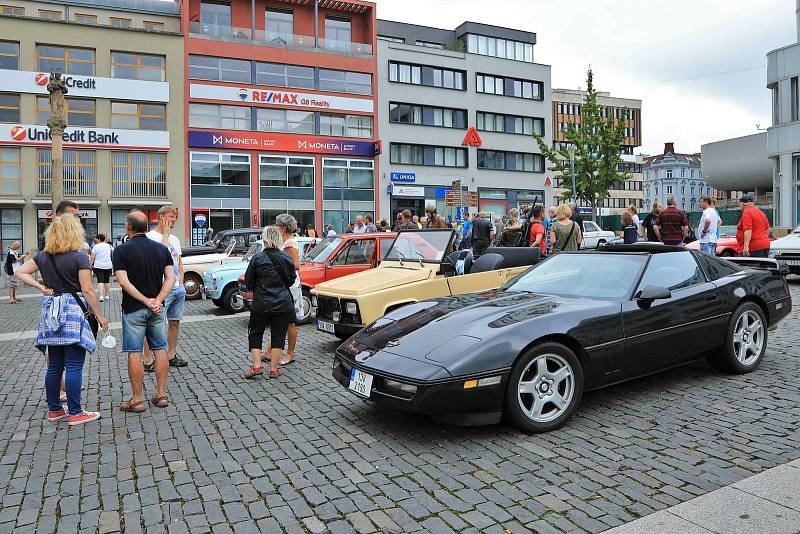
x: 710, y: 298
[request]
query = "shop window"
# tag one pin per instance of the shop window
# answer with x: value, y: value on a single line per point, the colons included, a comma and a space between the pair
x: 284, y: 120
x: 9, y: 107
x: 10, y: 226
x: 296, y: 208
x: 9, y: 171
x: 348, y: 173
x: 138, y: 174
x: 80, y: 172
x: 213, y: 168
x: 286, y: 171
x: 138, y: 116
x: 78, y: 61
x: 134, y: 66
x: 77, y: 111
x: 9, y: 55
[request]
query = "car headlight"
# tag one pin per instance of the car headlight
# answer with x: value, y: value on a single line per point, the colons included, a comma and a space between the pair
x: 399, y: 386
x: 213, y: 277
x: 351, y: 308
x: 314, y: 300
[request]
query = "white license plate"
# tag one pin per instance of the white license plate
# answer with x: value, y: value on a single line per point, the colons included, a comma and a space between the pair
x: 360, y: 382
x: 325, y: 326
x: 792, y: 262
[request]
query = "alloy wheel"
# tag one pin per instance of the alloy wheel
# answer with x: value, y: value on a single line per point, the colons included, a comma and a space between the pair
x: 748, y: 338
x: 305, y: 303
x: 546, y: 388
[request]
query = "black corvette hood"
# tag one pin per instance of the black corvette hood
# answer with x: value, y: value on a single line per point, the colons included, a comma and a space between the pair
x: 448, y: 329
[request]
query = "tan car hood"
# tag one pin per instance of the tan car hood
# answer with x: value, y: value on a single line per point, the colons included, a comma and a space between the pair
x: 373, y: 280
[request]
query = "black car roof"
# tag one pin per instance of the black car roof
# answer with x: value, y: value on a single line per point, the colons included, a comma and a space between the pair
x: 642, y: 246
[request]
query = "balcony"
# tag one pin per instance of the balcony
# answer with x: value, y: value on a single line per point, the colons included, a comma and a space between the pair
x: 287, y: 41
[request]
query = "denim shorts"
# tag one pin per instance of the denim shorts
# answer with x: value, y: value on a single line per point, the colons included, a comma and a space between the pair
x: 141, y: 324
x: 174, y: 303
x: 709, y: 248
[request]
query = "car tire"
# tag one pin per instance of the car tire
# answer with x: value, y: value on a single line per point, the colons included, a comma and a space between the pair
x: 532, y: 387
x: 600, y: 243
x: 745, y: 341
x: 218, y: 303
x: 230, y: 300
x: 308, y: 314
x: 193, y: 284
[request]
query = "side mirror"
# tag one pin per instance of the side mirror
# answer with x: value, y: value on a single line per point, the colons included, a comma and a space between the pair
x: 650, y: 293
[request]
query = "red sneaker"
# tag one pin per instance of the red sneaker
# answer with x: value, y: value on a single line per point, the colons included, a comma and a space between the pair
x: 58, y: 415
x: 84, y: 417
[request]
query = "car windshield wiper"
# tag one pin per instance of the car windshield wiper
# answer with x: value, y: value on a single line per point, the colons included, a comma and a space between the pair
x: 419, y: 254
x: 400, y: 256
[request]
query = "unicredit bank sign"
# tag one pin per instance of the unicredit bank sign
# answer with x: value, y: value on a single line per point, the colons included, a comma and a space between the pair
x: 79, y: 137
x: 20, y: 81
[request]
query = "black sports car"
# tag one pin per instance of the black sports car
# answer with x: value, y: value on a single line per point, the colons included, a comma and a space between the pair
x: 574, y: 322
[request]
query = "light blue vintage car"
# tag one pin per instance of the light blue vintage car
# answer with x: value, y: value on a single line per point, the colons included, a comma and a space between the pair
x: 221, y: 283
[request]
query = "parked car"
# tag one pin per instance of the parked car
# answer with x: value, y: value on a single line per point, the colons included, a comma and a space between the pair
x: 195, y: 267
x: 594, y: 236
x: 243, y: 238
x: 726, y: 246
x: 335, y: 257
x: 786, y: 249
x: 418, y: 266
x: 221, y: 283
x: 575, y: 322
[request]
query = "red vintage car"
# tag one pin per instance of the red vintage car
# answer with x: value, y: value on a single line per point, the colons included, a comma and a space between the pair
x: 334, y: 257
x: 726, y: 246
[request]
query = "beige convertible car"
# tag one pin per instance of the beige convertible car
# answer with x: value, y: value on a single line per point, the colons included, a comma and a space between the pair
x: 420, y: 265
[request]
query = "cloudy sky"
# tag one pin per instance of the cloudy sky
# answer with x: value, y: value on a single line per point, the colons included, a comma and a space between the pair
x: 697, y: 65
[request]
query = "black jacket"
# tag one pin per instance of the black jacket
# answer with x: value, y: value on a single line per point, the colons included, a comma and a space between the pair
x: 270, y: 293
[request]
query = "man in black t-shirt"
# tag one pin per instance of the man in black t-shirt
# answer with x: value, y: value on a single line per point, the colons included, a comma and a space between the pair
x: 144, y: 270
x: 650, y: 221
x: 482, y: 229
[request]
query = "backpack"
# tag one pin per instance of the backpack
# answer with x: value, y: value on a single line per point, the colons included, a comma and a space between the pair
x: 524, y: 236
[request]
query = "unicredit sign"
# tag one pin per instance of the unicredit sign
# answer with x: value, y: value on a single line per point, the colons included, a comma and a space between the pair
x: 20, y: 81
x: 36, y: 135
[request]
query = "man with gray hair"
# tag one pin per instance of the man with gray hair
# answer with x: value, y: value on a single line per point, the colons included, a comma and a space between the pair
x: 13, y: 262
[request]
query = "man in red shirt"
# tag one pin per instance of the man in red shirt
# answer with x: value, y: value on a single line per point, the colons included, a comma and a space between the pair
x: 752, y: 232
x: 671, y: 226
x: 537, y: 236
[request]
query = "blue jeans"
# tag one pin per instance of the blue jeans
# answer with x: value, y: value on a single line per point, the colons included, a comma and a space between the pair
x: 70, y: 357
x: 174, y: 303
x: 141, y: 324
x: 709, y: 248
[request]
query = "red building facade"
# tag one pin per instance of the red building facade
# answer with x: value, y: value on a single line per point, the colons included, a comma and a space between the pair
x: 281, y: 112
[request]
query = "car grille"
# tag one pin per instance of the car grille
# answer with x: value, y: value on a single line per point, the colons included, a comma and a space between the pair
x: 787, y: 256
x: 326, y: 306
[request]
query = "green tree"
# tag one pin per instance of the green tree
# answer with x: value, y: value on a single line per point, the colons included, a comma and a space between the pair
x: 597, y: 152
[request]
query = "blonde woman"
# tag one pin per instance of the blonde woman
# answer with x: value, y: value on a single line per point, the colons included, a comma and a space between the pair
x: 64, y: 331
x: 269, y: 276
x: 565, y: 234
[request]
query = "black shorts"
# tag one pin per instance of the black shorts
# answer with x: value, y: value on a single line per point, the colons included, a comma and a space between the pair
x: 278, y: 325
x: 103, y: 275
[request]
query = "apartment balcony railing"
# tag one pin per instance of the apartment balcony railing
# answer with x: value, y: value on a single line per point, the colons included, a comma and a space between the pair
x: 278, y: 40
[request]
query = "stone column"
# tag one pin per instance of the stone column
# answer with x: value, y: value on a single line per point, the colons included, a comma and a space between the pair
x: 57, y: 89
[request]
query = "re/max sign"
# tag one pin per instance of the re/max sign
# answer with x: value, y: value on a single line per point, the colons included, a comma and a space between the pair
x: 271, y: 97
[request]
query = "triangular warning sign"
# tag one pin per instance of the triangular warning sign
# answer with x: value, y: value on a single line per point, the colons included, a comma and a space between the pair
x: 472, y: 138
x: 548, y: 182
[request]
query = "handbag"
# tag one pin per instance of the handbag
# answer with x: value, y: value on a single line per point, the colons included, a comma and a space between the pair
x: 90, y: 318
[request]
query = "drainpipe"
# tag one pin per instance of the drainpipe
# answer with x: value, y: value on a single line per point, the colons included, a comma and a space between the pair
x: 253, y: 19
x: 316, y: 21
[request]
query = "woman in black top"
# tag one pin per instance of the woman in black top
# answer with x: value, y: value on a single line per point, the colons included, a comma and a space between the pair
x: 269, y: 275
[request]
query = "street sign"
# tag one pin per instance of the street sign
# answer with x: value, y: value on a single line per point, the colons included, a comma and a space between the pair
x: 458, y: 198
x: 456, y: 185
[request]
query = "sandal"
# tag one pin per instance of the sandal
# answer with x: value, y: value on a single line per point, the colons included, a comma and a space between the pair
x: 149, y: 367
x: 287, y: 362
x: 130, y: 406
x: 275, y: 374
x: 254, y: 372
x: 160, y: 401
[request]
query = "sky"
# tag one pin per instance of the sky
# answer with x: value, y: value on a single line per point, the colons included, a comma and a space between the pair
x: 699, y: 66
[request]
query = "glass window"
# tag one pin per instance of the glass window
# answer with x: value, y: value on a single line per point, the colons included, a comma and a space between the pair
x: 152, y: 26
x: 337, y: 30
x: 437, y: 156
x: 359, y: 252
x: 9, y: 55
x: 219, y: 116
x: 77, y: 111
x: 138, y: 174
x: 510, y: 161
x: 9, y: 171
x: 346, y: 125
x: 120, y: 23
x: 49, y: 14
x: 356, y: 174
x: 10, y: 226
x: 9, y: 107
x: 286, y: 171
x: 279, y: 75
x: 82, y: 18
x: 279, y: 24
x: 134, y: 66
x: 219, y: 69
x: 78, y: 61
x: 675, y: 270
x: 219, y: 168
x: 359, y: 83
x: 282, y: 120
x: 138, y: 116
x: 80, y: 172
x: 12, y: 11
x: 426, y: 75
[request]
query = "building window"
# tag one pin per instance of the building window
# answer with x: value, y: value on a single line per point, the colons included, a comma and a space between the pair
x: 513, y: 124
x: 77, y: 111
x: 429, y: 44
x: 280, y: 75
x: 133, y: 66
x: 10, y: 226
x: 121, y: 23
x: 391, y: 39
x: 79, y: 61
x: 348, y: 173
x: 284, y: 120
x: 346, y: 125
x: 9, y: 171
x: 338, y: 33
x: 82, y: 18
x: 12, y: 11
x: 510, y: 161
x: 794, y: 90
x: 9, y: 55
x: 497, y: 85
x: 427, y: 115
x: 776, y: 115
x: 138, y: 174
x: 80, y: 172
x: 342, y: 81
x: 151, y: 26
x: 668, y: 189
x: 285, y: 171
x: 9, y: 107
x: 426, y: 75
x: 216, y: 168
x: 219, y: 69
x: 434, y: 156
x: 279, y: 24
x: 49, y: 14
x: 669, y: 173
x: 138, y: 116
x: 218, y: 116
x: 503, y: 48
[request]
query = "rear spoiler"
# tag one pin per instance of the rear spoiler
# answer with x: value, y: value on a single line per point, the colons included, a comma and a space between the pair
x: 772, y: 265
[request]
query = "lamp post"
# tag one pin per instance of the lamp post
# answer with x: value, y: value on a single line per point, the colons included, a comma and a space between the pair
x: 342, y: 181
x: 57, y: 89
x: 572, y: 172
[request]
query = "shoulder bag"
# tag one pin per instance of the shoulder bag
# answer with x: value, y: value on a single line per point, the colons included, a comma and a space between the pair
x: 90, y: 318
x: 556, y: 250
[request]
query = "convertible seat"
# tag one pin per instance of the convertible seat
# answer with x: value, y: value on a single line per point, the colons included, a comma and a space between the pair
x: 487, y: 262
x: 452, y: 258
x: 517, y: 256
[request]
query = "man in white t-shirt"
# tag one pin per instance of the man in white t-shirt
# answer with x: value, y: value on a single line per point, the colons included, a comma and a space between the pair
x: 13, y: 261
x: 360, y: 227
x: 173, y: 304
x: 707, y: 229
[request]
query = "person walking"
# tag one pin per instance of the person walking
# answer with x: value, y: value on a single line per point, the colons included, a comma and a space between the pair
x: 269, y: 275
x: 482, y: 230
x: 64, y: 329
x: 369, y: 223
x: 649, y: 223
x: 284, y: 224
x: 565, y: 234
x: 100, y: 260
x: 175, y: 301
x: 630, y: 230
x: 707, y: 232
x: 752, y: 231
x: 13, y: 261
x: 145, y: 270
x: 671, y: 226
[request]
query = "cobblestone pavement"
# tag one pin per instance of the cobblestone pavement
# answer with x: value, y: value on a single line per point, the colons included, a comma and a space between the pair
x: 300, y: 454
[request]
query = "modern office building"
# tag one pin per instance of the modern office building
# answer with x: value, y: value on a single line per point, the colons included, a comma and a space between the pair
x: 567, y: 105
x: 280, y: 112
x: 461, y: 105
x: 123, y: 148
x: 677, y: 175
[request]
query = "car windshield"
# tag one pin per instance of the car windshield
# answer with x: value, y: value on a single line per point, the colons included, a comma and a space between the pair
x: 596, y: 275
x: 323, y: 250
x: 796, y: 230
x: 428, y: 246
x: 254, y: 249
